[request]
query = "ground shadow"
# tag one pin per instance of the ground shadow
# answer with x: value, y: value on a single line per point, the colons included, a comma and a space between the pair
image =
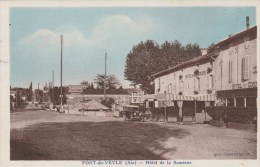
x: 92, y: 140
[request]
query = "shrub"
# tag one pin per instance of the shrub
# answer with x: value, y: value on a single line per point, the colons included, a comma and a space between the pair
x: 216, y: 113
x: 196, y: 72
x: 240, y: 114
x: 209, y: 91
x: 180, y: 77
x: 232, y: 114
x: 209, y: 69
x: 195, y: 92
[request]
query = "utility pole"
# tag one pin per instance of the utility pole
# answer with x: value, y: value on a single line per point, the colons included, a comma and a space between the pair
x: 105, y: 78
x: 61, y: 37
x: 52, y: 87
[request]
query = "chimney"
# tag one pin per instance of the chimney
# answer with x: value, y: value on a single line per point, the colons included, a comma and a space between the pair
x: 247, y: 22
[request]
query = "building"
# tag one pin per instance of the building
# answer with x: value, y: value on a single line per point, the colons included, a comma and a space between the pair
x: 229, y: 73
x: 236, y: 75
x: 189, y: 85
x: 77, y: 93
x: 136, y: 96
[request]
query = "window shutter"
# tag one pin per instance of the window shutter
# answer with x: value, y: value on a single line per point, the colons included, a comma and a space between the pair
x: 243, y: 69
x: 212, y: 82
x: 230, y: 71
x: 247, y: 67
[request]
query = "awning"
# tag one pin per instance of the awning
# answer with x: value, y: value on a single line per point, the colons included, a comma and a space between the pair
x: 206, y: 97
x: 176, y: 97
x: 149, y: 97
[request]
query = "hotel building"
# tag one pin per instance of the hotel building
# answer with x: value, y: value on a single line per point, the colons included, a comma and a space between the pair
x: 228, y: 73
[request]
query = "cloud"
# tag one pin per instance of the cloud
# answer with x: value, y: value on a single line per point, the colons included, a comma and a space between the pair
x: 114, y: 29
x: 40, y: 50
x: 115, y: 26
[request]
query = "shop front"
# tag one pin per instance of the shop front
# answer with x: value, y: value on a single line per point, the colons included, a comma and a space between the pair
x: 188, y: 108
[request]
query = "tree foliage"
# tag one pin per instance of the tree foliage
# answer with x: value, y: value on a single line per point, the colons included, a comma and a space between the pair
x: 89, y: 85
x: 110, y: 80
x: 147, y: 58
x: 108, y: 102
x: 30, y: 94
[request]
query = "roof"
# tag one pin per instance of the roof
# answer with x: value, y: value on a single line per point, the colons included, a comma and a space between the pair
x: 90, y: 105
x: 237, y: 35
x: 108, y: 91
x: 206, y: 57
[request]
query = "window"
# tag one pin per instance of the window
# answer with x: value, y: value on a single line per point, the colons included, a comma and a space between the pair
x: 251, y: 101
x: 159, y: 84
x: 245, y: 68
x: 210, y: 82
x: 240, y: 102
x: 198, y: 83
x: 230, y: 71
x: 230, y: 102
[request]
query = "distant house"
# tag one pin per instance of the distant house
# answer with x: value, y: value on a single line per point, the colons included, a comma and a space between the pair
x: 78, y: 93
x: 88, y: 108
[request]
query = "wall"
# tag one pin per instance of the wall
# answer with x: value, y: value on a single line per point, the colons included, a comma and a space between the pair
x: 119, y: 99
x: 171, y: 83
x: 235, y: 54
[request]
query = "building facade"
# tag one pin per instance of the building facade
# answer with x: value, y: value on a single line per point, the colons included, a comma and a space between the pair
x: 78, y: 93
x: 228, y: 72
x: 236, y: 79
x: 136, y: 95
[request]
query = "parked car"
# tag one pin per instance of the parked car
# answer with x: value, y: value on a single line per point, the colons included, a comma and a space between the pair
x: 133, y: 114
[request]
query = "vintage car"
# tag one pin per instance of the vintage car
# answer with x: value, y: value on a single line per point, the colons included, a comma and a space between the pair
x: 133, y: 113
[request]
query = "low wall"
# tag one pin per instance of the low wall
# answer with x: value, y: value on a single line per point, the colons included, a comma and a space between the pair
x: 241, y: 126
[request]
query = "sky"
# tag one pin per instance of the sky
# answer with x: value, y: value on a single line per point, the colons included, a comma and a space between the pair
x: 89, y: 32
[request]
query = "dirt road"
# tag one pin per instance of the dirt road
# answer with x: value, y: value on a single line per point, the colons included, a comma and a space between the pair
x: 44, y: 135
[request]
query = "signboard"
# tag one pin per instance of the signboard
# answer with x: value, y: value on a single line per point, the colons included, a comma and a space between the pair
x: 200, y: 73
x: 76, y: 88
x: 161, y: 96
x: 245, y: 85
x: 252, y: 84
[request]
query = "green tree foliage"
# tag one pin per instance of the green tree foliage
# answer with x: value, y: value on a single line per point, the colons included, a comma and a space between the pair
x: 92, y: 86
x: 85, y: 83
x: 55, y: 95
x: 39, y: 95
x: 147, y: 58
x: 22, y: 95
x: 30, y: 93
x: 212, y: 48
x: 110, y: 80
x: 108, y: 102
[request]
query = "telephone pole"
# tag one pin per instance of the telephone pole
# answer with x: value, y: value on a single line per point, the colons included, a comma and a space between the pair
x: 61, y: 96
x: 52, y: 87
x: 105, y: 78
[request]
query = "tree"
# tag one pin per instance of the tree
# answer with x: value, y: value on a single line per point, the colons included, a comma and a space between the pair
x: 92, y: 86
x: 141, y: 63
x: 212, y: 48
x: 110, y: 80
x: 55, y: 98
x: 85, y: 83
x: 30, y: 93
x: 108, y: 102
x: 147, y: 58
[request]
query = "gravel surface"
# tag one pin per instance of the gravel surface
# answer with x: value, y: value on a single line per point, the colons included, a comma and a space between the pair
x: 48, y: 135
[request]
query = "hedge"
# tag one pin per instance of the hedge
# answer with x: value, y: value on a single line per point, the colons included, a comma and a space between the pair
x: 172, y: 111
x: 233, y: 114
